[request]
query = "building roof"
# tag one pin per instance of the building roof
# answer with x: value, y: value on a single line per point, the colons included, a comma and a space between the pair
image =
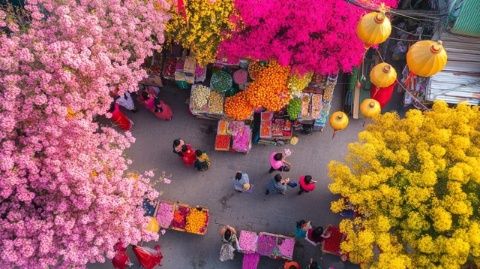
x: 460, y: 79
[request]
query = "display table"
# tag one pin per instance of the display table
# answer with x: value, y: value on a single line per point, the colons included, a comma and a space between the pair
x: 206, y: 103
x: 233, y: 136
x: 271, y: 245
x: 275, y: 127
x: 182, y: 217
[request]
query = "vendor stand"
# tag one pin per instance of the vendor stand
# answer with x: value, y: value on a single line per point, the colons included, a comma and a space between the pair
x: 182, y: 217
x: 274, y: 246
x: 233, y: 136
x: 274, y: 128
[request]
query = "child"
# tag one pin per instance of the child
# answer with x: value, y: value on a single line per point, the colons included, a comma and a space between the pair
x: 202, y: 163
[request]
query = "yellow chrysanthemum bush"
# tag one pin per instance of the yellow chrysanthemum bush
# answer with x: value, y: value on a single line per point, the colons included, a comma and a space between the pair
x: 201, y: 27
x: 415, y: 185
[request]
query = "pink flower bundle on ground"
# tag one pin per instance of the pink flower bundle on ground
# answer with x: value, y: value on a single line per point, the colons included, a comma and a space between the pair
x: 241, y: 141
x: 286, y: 246
x: 266, y: 244
x: 250, y: 261
x: 248, y: 241
x: 165, y: 214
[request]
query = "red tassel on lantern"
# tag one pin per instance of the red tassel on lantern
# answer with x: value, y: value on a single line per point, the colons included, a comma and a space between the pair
x: 382, y: 95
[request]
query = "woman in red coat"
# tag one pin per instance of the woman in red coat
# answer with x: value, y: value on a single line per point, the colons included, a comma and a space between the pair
x: 188, y: 155
x: 120, y: 119
x: 306, y: 184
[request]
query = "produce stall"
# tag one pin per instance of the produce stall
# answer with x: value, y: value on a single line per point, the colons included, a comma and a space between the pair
x: 206, y: 103
x: 274, y: 246
x: 233, y: 136
x: 182, y: 217
x: 274, y: 127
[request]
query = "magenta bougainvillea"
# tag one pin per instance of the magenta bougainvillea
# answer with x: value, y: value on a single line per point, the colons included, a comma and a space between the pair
x: 309, y: 35
x: 65, y: 195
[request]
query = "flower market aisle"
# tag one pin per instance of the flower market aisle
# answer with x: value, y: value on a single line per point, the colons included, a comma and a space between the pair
x: 213, y: 189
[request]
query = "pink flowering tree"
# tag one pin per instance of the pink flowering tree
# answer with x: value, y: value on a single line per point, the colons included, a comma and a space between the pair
x: 65, y: 195
x: 309, y: 35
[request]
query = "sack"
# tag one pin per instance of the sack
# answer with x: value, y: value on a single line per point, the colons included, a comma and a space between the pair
x: 285, y: 168
x: 292, y: 184
x: 226, y: 252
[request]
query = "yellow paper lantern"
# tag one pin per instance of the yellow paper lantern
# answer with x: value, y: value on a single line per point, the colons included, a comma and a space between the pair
x: 374, y: 28
x: 370, y: 108
x: 152, y: 225
x: 426, y: 58
x: 338, y: 121
x: 383, y: 75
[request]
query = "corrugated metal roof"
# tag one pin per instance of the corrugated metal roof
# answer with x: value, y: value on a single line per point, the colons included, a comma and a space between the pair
x: 468, y: 21
x: 460, y: 79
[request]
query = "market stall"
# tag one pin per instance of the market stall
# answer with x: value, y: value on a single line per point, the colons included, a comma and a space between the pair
x: 274, y: 246
x: 274, y: 128
x: 233, y: 136
x: 182, y: 217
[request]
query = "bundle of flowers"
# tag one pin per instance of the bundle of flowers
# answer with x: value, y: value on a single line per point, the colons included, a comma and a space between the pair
x: 294, y: 108
x: 297, y: 83
x: 179, y: 217
x: 237, y: 107
x: 199, y: 97
x: 240, y: 76
x: 254, y: 68
x: 221, y: 81
x: 165, y: 214
x: 215, y: 103
x: 248, y: 241
x: 266, y: 244
x: 241, y: 140
x: 200, y: 27
x: 250, y: 261
x: 197, y: 221
x: 285, y: 247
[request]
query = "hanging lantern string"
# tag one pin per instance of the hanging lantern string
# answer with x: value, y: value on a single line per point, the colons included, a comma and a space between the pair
x: 424, y: 107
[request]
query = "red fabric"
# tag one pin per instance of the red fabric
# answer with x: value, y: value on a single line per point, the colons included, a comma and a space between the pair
x: 121, y: 260
x: 120, y: 119
x: 189, y: 157
x: 331, y: 244
x: 382, y: 95
x: 304, y: 185
x: 147, y: 257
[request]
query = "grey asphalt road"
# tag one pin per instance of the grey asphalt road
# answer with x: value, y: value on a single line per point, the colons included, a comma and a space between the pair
x: 213, y: 188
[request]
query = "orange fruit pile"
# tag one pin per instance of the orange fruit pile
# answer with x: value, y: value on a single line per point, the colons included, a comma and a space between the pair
x: 237, y: 107
x: 269, y: 90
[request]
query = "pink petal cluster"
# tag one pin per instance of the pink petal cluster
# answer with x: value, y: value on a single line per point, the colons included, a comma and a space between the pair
x: 308, y: 35
x: 286, y: 247
x: 65, y: 199
x: 248, y: 241
x: 165, y: 214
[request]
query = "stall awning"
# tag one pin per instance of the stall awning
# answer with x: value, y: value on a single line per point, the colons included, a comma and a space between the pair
x: 460, y: 80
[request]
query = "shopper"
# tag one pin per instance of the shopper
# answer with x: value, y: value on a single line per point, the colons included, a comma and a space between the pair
x: 241, y: 182
x: 126, y: 101
x: 177, y: 146
x: 120, y: 119
x: 278, y: 162
x: 307, y: 184
x: 302, y: 227
x: 277, y: 185
x: 202, y: 163
x: 188, y: 155
x: 317, y: 235
x: 229, y: 243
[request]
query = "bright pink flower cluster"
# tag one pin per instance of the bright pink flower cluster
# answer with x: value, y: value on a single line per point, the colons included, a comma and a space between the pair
x: 65, y: 199
x: 308, y: 35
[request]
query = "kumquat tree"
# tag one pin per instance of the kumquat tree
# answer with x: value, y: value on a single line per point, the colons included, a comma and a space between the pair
x: 414, y: 184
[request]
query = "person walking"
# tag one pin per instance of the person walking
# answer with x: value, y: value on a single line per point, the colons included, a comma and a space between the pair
x: 317, y: 235
x: 188, y: 155
x: 241, y: 182
x: 277, y: 185
x: 229, y: 243
x: 177, y: 146
x: 307, y: 184
x: 202, y: 163
x: 278, y: 162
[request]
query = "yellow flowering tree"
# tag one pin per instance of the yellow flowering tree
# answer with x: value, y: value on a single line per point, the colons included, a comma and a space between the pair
x: 415, y: 184
x: 200, y: 27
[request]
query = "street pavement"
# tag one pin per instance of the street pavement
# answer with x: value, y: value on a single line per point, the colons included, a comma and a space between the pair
x: 213, y: 189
